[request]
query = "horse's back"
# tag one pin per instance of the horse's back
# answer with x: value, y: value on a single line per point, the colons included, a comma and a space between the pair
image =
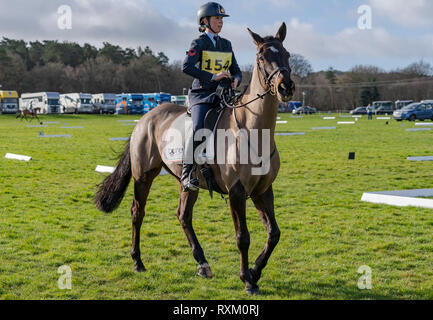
x: 147, y: 137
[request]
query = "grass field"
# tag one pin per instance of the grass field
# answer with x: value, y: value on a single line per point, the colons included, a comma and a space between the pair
x: 47, y: 218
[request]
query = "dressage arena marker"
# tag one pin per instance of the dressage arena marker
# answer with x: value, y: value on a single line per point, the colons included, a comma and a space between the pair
x: 278, y: 118
x: 53, y: 122
x: 119, y: 139
x: 356, y: 116
x: 383, y: 118
x: 290, y: 133
x: 324, y: 128
x: 426, y: 158
x: 107, y: 169
x: 328, y: 118
x: 284, y: 121
x: 401, y: 198
x: 71, y: 127
x: 104, y: 169
x: 42, y: 135
x: 296, y: 117
x: 17, y: 157
x: 420, y: 129
x: 346, y: 122
x: 37, y: 126
x: 424, y: 124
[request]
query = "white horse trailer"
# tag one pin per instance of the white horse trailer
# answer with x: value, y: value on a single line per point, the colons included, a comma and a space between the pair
x: 104, y: 102
x: 47, y: 102
x: 76, y: 103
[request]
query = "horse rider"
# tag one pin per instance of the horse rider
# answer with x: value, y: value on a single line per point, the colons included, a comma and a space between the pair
x: 209, y: 60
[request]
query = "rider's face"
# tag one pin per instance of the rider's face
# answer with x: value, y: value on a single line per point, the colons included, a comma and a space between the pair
x: 216, y: 23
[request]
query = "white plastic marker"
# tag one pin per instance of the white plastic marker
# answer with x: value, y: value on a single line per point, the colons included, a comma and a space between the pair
x: 37, y: 126
x: 346, y: 122
x: 401, y: 198
x: 324, y: 128
x: 119, y: 139
x: 356, y: 116
x: 426, y: 158
x: 17, y: 157
x: 424, y: 124
x: 107, y: 169
x: 328, y: 118
x: 104, y: 169
x: 52, y: 122
x: 284, y: 121
x: 42, y: 135
x: 290, y: 133
x: 71, y: 127
x: 383, y: 118
x: 419, y: 129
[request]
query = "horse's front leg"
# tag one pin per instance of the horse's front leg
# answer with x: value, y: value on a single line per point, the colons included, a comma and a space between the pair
x: 265, y: 207
x: 237, y: 196
x: 184, y: 214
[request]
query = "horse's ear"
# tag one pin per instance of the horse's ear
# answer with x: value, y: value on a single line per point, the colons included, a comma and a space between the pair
x: 281, y: 34
x: 258, y: 40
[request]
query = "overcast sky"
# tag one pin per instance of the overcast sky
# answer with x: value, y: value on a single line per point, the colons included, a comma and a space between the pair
x: 325, y: 32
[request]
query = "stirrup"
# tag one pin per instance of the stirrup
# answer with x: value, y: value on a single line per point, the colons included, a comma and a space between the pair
x: 190, y: 185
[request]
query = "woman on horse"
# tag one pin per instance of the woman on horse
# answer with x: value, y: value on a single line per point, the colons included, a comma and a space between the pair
x: 209, y: 60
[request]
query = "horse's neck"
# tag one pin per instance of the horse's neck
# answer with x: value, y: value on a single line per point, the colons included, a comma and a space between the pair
x: 260, y: 114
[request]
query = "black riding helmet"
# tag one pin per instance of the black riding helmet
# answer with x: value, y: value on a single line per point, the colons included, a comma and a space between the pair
x: 208, y: 10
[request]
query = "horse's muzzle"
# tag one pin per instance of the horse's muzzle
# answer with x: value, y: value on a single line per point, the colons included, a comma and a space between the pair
x: 285, y: 90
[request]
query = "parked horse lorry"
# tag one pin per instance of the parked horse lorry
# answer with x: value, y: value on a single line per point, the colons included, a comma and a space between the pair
x: 104, y: 102
x: 9, y: 101
x: 76, y: 103
x: 46, y: 102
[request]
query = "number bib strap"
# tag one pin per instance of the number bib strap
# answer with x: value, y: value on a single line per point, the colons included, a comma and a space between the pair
x: 215, y: 61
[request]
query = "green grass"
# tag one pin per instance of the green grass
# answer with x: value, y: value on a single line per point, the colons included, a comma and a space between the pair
x: 47, y: 218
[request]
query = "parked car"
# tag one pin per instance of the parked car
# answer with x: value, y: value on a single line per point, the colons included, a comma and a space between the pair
x: 384, y: 110
x: 304, y: 110
x: 359, y: 110
x: 414, y: 111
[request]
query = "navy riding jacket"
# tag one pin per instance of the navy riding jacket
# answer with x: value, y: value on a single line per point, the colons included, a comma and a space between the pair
x: 202, y: 61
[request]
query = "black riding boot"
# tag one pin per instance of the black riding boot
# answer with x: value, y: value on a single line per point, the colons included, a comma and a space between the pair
x: 188, y: 182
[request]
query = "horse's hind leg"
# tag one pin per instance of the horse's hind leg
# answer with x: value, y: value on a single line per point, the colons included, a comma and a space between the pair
x: 265, y: 206
x: 141, y: 191
x: 184, y: 214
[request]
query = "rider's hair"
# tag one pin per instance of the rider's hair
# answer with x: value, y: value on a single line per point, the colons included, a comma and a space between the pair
x: 202, y: 27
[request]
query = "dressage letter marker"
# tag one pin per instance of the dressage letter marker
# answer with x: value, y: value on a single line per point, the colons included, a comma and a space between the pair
x: 17, y: 157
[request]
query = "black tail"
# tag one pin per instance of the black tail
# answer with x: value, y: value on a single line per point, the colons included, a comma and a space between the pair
x: 112, y: 189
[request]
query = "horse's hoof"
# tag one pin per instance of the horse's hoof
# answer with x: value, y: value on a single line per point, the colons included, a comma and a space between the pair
x: 204, y: 271
x: 139, y: 267
x: 254, y: 290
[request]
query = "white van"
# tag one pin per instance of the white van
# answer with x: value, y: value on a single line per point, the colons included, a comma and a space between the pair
x: 76, y: 103
x: 104, y: 102
x: 47, y: 102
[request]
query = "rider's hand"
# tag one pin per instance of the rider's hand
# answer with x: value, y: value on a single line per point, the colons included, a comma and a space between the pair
x: 221, y: 75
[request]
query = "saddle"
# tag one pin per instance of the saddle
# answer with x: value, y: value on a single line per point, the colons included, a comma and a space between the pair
x: 210, y: 122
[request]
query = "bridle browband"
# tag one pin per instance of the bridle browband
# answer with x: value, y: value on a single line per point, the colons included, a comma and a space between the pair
x: 265, y: 81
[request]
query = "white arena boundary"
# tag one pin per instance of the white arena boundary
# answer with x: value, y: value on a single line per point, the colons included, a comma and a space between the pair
x: 423, y: 158
x: 401, y: 198
x: 323, y: 128
x: 17, y: 157
x: 107, y: 169
x: 424, y: 124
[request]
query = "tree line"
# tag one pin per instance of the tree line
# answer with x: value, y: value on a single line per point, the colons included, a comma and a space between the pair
x: 63, y: 67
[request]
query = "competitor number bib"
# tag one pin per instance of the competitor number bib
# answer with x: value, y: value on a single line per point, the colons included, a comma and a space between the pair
x: 215, y: 61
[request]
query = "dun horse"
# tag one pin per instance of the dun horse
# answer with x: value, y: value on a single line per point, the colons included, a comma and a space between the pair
x: 24, y: 113
x: 143, y: 159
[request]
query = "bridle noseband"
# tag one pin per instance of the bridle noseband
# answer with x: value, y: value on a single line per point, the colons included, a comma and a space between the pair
x: 266, y: 79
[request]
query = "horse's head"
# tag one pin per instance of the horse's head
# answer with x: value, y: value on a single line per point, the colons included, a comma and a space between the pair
x: 273, y: 64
